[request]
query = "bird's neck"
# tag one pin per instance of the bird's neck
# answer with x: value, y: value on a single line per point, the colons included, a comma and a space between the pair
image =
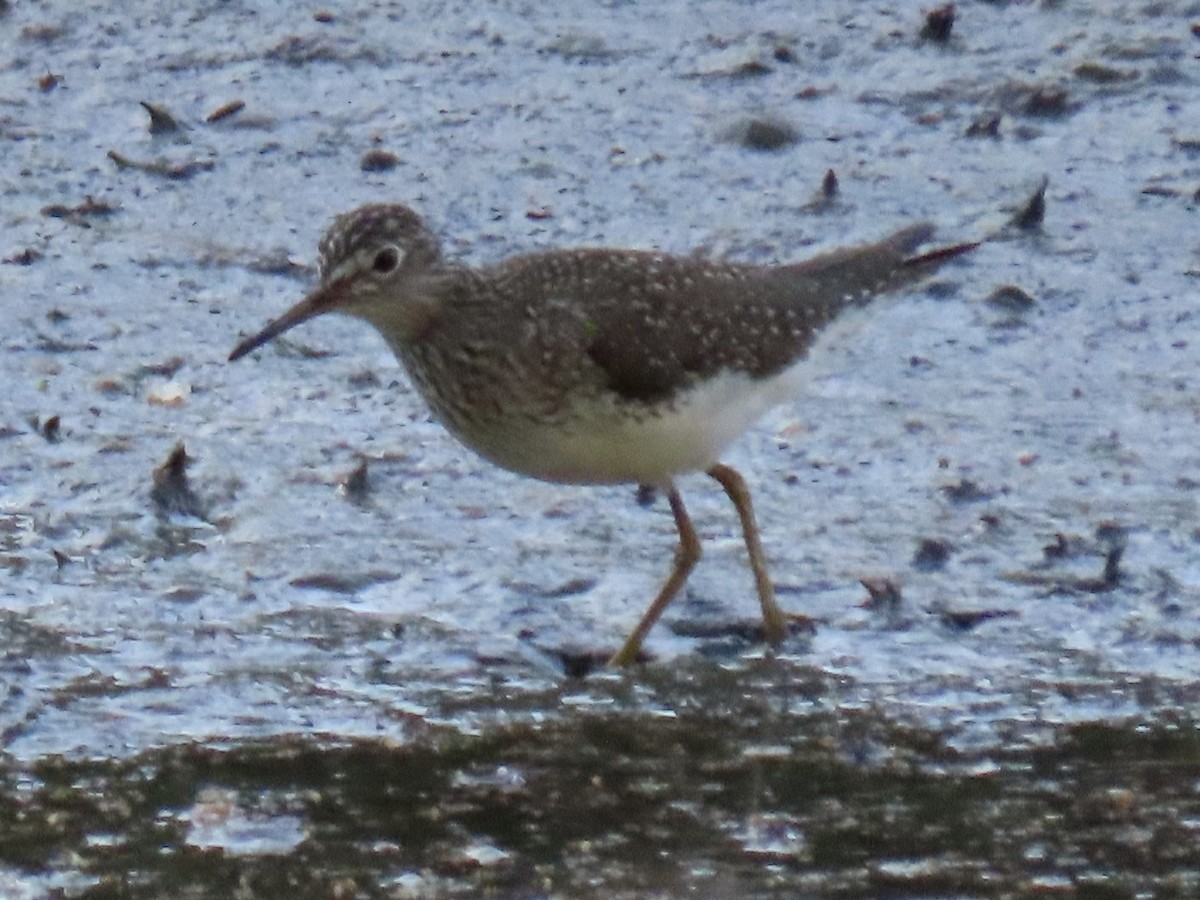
x: 416, y: 310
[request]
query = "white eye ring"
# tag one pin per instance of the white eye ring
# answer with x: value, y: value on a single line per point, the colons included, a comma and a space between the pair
x: 387, y: 259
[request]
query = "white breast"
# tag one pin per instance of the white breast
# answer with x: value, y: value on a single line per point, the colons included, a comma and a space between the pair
x: 605, y: 444
x: 607, y: 441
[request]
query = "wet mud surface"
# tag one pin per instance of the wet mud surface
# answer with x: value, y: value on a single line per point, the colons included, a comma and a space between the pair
x: 265, y: 627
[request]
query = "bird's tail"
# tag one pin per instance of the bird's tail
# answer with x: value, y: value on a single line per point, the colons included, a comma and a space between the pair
x: 855, y: 274
x: 925, y: 263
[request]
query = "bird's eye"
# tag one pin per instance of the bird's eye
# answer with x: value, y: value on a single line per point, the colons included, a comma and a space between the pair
x: 386, y: 260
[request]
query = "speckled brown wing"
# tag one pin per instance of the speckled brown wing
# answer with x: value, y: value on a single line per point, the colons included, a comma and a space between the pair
x: 690, y: 320
x: 657, y: 324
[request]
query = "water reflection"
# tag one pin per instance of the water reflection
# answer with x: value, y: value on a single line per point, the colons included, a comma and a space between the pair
x: 735, y: 792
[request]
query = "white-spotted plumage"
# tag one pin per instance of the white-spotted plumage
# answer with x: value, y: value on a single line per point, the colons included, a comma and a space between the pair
x: 605, y: 366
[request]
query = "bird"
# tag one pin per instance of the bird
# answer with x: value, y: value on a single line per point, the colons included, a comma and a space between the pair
x: 599, y: 365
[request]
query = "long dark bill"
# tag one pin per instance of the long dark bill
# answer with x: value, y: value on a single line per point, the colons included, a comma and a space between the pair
x: 324, y: 299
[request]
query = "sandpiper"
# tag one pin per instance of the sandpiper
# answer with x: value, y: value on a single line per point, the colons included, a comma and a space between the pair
x: 602, y: 366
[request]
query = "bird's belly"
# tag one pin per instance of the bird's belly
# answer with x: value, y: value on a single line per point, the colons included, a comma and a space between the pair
x: 605, y: 441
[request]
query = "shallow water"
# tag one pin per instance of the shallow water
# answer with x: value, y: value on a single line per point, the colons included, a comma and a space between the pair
x: 268, y: 679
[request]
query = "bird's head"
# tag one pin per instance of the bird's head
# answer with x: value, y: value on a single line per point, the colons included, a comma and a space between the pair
x: 376, y: 264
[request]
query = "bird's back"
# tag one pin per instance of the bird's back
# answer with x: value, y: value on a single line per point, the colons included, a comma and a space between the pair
x: 649, y: 324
